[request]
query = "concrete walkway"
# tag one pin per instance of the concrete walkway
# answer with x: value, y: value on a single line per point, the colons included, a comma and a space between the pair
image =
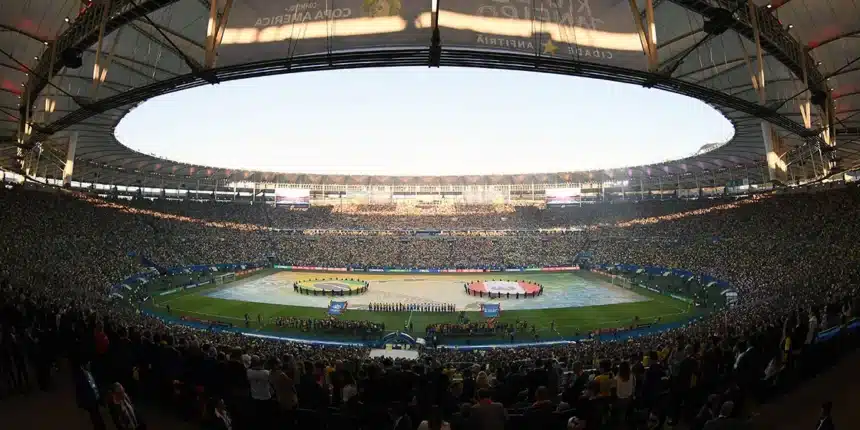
x: 801, y: 407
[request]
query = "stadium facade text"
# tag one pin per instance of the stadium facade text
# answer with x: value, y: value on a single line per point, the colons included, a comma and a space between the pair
x: 505, y: 42
x: 589, y: 53
x: 299, y: 16
x: 578, y: 12
x: 527, y: 45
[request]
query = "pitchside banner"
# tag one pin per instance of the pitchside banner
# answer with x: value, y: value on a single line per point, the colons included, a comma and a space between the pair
x: 271, y: 29
x: 597, y: 31
x: 559, y: 269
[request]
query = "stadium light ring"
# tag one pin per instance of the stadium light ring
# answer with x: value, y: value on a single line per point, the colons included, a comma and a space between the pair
x: 419, y: 57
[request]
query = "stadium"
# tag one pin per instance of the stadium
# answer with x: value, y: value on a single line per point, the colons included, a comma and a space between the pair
x: 671, y: 294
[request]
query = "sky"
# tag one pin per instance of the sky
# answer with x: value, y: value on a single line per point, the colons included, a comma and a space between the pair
x: 421, y: 121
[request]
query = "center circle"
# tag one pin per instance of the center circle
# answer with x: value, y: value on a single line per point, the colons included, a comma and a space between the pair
x: 334, y: 286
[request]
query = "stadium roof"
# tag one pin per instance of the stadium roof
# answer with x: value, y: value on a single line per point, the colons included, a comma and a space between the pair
x: 705, y: 49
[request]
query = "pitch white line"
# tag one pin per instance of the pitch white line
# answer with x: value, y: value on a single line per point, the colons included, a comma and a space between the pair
x: 205, y: 314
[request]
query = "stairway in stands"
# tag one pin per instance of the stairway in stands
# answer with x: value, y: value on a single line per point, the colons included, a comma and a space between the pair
x: 271, y: 234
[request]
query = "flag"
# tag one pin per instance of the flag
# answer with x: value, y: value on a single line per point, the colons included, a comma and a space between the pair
x: 336, y: 308
x: 491, y: 310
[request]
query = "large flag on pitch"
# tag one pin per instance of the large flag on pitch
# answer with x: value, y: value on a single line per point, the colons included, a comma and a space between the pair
x: 336, y: 308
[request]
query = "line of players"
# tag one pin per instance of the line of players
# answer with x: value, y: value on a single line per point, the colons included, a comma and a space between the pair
x: 412, y: 307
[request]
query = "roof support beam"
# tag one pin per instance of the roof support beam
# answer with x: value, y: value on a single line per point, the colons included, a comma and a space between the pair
x: 135, y: 71
x: 215, y: 30
x: 5, y: 27
x: 816, y: 45
x: 69, y: 165
x: 84, y: 33
x: 774, y: 152
x: 170, y: 46
x: 732, y: 65
x: 178, y: 35
x: 748, y: 86
x: 670, y: 65
x: 647, y: 32
x: 852, y: 93
x: 7, y: 90
x: 805, y: 104
x: 141, y: 64
x: 452, y: 57
x: 11, y: 67
x: 115, y: 86
x: 774, y: 38
x: 680, y: 38
x: 853, y: 112
x: 100, y: 69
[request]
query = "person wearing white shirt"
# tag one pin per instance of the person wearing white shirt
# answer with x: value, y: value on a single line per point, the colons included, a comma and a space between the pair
x: 258, y: 379
x: 625, y: 386
x: 261, y: 391
x: 813, y: 327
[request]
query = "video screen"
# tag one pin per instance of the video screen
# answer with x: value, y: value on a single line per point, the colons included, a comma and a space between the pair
x: 292, y: 197
x: 563, y: 196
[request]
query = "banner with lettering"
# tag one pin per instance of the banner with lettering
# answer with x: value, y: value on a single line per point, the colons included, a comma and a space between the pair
x: 595, y: 31
x: 259, y: 30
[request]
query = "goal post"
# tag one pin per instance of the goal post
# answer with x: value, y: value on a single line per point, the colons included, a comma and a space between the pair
x: 225, y: 278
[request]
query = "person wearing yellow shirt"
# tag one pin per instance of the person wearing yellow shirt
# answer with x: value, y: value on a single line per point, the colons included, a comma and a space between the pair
x: 664, y: 353
x: 605, y: 379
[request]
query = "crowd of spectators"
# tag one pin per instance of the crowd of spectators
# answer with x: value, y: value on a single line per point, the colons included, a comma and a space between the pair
x: 793, y: 260
x: 412, y: 307
x: 330, y: 324
x: 404, y: 216
x: 475, y: 328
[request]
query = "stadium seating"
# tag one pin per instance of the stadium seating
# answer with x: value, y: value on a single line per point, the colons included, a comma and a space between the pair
x: 792, y: 258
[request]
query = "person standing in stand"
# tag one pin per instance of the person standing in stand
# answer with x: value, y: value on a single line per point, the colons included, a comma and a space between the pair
x: 87, y: 394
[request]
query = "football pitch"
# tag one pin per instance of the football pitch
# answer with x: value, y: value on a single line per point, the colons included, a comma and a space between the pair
x: 572, y: 303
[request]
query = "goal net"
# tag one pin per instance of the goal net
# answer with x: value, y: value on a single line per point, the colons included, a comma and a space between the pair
x: 225, y: 278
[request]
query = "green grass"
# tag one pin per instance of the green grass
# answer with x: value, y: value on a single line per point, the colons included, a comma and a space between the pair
x: 568, y: 321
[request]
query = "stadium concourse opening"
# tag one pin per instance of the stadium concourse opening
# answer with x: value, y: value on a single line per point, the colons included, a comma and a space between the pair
x: 375, y: 122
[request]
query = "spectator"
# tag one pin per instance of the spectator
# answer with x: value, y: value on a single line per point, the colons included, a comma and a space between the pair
x: 825, y: 422
x: 122, y: 410
x: 55, y: 300
x: 398, y: 417
x: 487, y: 414
x: 625, y: 386
x: 435, y: 421
x: 87, y: 394
x: 284, y: 388
x: 725, y: 421
x: 261, y: 391
x: 220, y: 418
